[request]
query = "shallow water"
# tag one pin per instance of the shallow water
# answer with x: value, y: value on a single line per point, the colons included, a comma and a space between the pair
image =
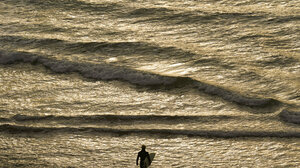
x: 79, y: 150
x: 202, y: 84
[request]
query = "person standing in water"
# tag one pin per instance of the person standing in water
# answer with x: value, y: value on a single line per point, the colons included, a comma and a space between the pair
x: 143, y: 155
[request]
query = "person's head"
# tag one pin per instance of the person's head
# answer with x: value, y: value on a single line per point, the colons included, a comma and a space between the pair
x: 143, y: 147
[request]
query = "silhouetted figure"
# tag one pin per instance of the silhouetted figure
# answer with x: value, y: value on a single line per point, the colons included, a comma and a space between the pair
x: 143, y: 155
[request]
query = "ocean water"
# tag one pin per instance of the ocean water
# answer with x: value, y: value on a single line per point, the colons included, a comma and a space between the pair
x: 210, y: 83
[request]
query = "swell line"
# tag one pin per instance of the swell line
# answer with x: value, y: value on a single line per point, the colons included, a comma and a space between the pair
x: 13, y: 129
x: 128, y: 118
x: 103, y: 48
x: 69, y: 5
x: 285, y: 115
x: 136, y: 77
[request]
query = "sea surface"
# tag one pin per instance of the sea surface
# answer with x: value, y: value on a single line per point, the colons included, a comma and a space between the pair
x: 202, y: 83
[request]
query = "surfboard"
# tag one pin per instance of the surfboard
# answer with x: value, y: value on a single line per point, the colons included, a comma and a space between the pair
x: 147, y: 163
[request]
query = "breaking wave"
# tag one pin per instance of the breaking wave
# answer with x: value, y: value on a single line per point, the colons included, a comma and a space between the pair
x: 136, y: 77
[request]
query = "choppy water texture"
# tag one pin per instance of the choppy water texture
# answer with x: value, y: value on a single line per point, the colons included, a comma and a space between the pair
x: 212, y: 83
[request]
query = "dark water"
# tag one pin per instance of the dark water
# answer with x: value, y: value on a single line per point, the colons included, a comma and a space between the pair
x: 84, y: 83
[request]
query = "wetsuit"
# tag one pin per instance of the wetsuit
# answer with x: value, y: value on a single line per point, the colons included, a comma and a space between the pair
x: 143, y: 155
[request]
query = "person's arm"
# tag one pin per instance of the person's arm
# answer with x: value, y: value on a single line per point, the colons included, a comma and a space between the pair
x: 137, y: 159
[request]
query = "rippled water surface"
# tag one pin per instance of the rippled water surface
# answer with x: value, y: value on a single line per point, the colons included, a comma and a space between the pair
x: 84, y: 83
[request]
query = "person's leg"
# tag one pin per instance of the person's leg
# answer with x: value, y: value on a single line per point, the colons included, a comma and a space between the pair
x: 142, y: 165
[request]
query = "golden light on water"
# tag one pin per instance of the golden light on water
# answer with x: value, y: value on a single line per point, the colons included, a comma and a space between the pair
x: 84, y: 83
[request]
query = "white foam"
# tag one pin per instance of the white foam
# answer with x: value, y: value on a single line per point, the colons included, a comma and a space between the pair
x: 112, y: 59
